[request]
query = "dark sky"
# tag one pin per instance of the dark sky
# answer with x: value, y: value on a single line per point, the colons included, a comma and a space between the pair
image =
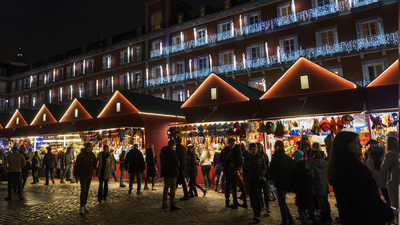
x: 45, y: 28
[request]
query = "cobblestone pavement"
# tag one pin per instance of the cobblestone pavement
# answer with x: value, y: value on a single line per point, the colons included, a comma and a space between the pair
x: 59, y: 204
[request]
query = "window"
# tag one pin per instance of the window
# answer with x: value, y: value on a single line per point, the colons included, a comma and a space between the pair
x: 107, y: 62
x: 41, y: 98
x: 106, y: 85
x: 202, y: 63
x: 70, y: 92
x: 326, y: 36
x: 60, y: 74
x: 19, y: 85
x: 227, y: 4
x: 26, y: 81
x: 253, y: 18
x: 76, y: 111
x: 304, y: 82
x: 60, y: 94
x: 156, y: 21
x: 226, y: 58
x: 179, y: 95
x: 17, y: 120
x: 289, y: 44
x: 372, y: 69
x: 159, y: 95
x: 44, y: 117
x: 81, y: 90
x: 285, y: 9
x: 136, y: 53
x: 213, y: 93
x: 224, y: 30
x: 90, y: 85
x: 336, y: 69
x: 201, y: 36
x: 118, y: 107
x: 13, y: 87
x: 123, y: 57
x: 369, y: 27
x: 317, y: 3
x: 124, y: 81
x: 12, y: 104
x: 258, y: 83
x: 33, y: 100
x: 177, y: 41
x: 180, y: 18
x: 178, y: 67
x: 70, y: 71
x: 156, y: 73
x: 137, y: 79
x: 255, y: 51
x: 90, y: 65
x: 157, y: 47
x: 26, y: 101
x: 80, y: 68
x: 202, y: 12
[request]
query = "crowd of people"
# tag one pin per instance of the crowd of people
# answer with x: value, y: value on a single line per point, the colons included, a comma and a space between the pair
x: 357, y: 180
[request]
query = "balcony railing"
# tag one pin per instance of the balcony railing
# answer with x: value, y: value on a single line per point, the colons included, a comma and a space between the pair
x: 302, y: 16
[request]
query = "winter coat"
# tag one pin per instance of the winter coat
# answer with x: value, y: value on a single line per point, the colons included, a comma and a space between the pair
x: 234, y: 156
x: 192, y: 164
x: 169, y: 162
x: 49, y: 161
x: 151, y: 163
x: 253, y: 168
x: 281, y: 169
x: 108, y: 166
x: 121, y: 162
x: 2, y: 156
x: 182, y: 153
x: 225, y: 163
x: 36, y: 162
x: 318, y: 169
x: 205, y: 161
x: 67, y: 160
x: 114, y: 162
x: 27, y: 167
x: 14, y: 162
x: 60, y: 157
x: 134, y: 161
x: 85, y: 163
x: 302, y: 183
x: 217, y: 163
x: 390, y: 164
x: 379, y: 174
x: 266, y: 161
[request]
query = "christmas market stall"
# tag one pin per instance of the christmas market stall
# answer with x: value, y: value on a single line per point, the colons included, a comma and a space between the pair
x: 382, y: 97
x: 217, y: 110
x: 311, y: 102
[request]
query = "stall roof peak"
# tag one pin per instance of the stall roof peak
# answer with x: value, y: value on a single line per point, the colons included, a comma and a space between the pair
x: 56, y: 112
x: 245, y: 92
x: 320, y: 80
x: 388, y: 77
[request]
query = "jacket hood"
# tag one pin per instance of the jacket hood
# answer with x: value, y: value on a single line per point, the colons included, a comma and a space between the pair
x: 320, y: 163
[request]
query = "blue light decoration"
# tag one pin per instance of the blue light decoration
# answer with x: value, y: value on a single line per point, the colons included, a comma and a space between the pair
x: 303, y: 16
x: 271, y: 60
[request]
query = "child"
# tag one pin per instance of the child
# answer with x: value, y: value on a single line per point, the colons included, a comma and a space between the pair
x: 303, y: 187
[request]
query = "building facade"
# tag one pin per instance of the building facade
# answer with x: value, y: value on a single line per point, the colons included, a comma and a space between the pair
x: 254, y: 42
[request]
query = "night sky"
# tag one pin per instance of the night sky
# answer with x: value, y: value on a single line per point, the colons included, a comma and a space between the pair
x: 45, y: 28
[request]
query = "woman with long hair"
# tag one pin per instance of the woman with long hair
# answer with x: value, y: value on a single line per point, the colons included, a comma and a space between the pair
x: 36, y: 162
x: 205, y: 164
x: 104, y: 172
x: 192, y: 168
x: 356, y: 192
x: 391, y: 165
x: 151, y: 161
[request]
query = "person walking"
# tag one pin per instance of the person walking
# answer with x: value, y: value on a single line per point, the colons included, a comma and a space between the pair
x: 42, y: 170
x: 390, y: 164
x: 13, y: 164
x: 25, y: 170
x: 35, y: 167
x: 205, y: 163
x: 181, y: 152
x: 169, y: 170
x: 254, y: 170
x: 104, y: 172
x: 151, y: 161
x: 114, y: 167
x: 302, y: 183
x: 320, y: 188
x: 49, y: 163
x: 281, y: 169
x: 355, y: 188
x: 373, y: 158
x: 60, y: 163
x: 265, y: 190
x: 67, y: 164
x: 192, y: 173
x: 122, y: 168
x: 134, y: 163
x: 217, y: 168
x: 85, y: 166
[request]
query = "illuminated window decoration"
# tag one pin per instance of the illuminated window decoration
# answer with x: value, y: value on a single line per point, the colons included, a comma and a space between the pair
x: 266, y: 52
x: 50, y: 96
x: 17, y: 120
x: 76, y: 111
x: 19, y: 102
x: 167, y: 69
x: 213, y: 92
x: 187, y: 93
x: 97, y: 87
x: 71, y: 90
x: 147, y: 77
x: 309, y: 53
x: 112, y: 84
x: 240, y: 25
x: 304, y: 82
x: 73, y: 70
x: 244, y: 60
x: 33, y: 102
x: 234, y: 62
x: 44, y: 117
x: 190, y: 68
x: 303, y: 16
x: 118, y: 107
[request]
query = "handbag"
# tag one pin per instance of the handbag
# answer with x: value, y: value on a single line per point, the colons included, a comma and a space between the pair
x: 239, y: 178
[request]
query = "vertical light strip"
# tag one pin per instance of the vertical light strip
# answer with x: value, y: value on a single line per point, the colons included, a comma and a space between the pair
x: 234, y: 62
x: 83, y: 66
x: 294, y: 11
x: 244, y: 60
x: 266, y: 52
x: 182, y: 44
x: 54, y: 75
x: 112, y: 84
x: 73, y: 70
x: 160, y: 47
x: 70, y: 88
x: 97, y: 87
x: 232, y: 30
x: 129, y: 83
x: 19, y: 102
x: 167, y: 68
x: 240, y: 23
x: 161, y: 73
x: 195, y: 36
x: 129, y: 53
x: 206, y: 37
x: 147, y: 77
x: 30, y: 84
x: 190, y: 68
x: 278, y: 51
x: 209, y: 56
x: 50, y: 96
x: 60, y: 93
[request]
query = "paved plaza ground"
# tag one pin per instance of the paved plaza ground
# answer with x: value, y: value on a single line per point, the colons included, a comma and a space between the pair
x: 59, y: 204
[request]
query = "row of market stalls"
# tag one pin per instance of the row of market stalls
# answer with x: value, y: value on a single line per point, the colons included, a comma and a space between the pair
x: 306, y: 100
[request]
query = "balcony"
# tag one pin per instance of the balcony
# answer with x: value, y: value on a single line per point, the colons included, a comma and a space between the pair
x: 222, y: 36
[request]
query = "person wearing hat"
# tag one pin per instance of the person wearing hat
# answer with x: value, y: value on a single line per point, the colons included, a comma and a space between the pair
x: 281, y: 170
x: 373, y: 158
x: 328, y: 143
x: 298, y: 154
x: 305, y: 146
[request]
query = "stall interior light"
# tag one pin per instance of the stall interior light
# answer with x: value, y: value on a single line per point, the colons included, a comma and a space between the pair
x: 304, y: 82
x: 76, y: 113
x: 73, y: 140
x: 44, y: 117
x: 214, y: 95
x: 69, y: 135
x: 55, y: 140
x: 118, y: 107
x: 17, y: 120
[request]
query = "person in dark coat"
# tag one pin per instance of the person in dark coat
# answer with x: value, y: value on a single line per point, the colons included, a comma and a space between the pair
x: 66, y: 165
x: 356, y: 191
x: 181, y: 152
x: 281, y: 170
x: 151, y: 161
x: 169, y: 170
x: 114, y: 166
x: 25, y: 171
x: 134, y: 163
x: 192, y: 173
x: 217, y: 168
x: 122, y: 168
x: 36, y: 162
x: 49, y: 163
x: 265, y: 190
x: 302, y: 183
